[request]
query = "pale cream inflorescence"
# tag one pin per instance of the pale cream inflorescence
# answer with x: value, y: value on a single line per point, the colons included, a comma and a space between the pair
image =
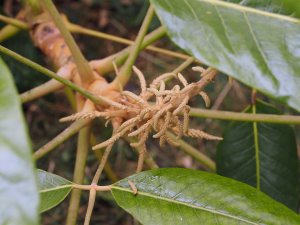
x: 168, y: 113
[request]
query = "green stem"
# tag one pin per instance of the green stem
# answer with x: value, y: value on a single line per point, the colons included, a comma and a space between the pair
x: 62, y: 137
x: 95, y: 180
x: 107, y: 168
x: 85, y: 72
x: 222, y: 95
x: 15, y: 22
x: 153, y: 36
x: 82, y: 30
x: 256, y: 145
x: 125, y: 71
x: 71, y: 98
x: 246, y: 117
x: 105, y: 65
x: 7, y: 32
x: 41, y: 90
x: 15, y: 25
x: 184, y: 65
x: 148, y: 158
x: 150, y: 162
x: 74, y: 28
x: 49, y: 73
x: 34, y: 5
x: 90, y: 187
x: 81, y: 156
x: 200, y: 157
x: 91, y: 203
x: 255, y: 139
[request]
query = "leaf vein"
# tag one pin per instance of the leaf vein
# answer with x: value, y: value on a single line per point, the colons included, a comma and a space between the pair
x: 186, y: 204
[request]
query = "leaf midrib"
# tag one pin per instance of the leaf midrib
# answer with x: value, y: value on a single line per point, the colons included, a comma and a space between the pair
x: 185, y: 204
x: 251, y: 10
x: 257, y: 150
x: 56, y: 188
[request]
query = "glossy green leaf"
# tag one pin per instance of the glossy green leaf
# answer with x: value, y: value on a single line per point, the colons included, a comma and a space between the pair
x: 259, y: 48
x: 273, y: 6
x: 271, y: 165
x: 18, y: 190
x: 53, y: 189
x: 189, y: 197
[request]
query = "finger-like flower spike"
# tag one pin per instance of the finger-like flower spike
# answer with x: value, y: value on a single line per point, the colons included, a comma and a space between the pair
x: 162, y: 141
x: 141, y: 78
x: 140, y: 129
x: 164, y: 127
x: 201, y: 134
x: 134, y: 97
x: 186, y: 119
x: 169, y: 112
x: 181, y: 106
x: 198, y: 69
x: 142, y: 139
x: 155, y: 83
x: 182, y: 79
x: 205, y: 98
x: 84, y: 115
x: 128, y: 122
x: 133, y: 187
x: 106, y: 123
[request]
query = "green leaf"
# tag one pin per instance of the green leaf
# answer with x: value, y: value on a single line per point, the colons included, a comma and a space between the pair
x: 18, y: 190
x: 273, y: 6
x: 259, y: 48
x: 188, y: 197
x: 271, y: 165
x: 53, y: 189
